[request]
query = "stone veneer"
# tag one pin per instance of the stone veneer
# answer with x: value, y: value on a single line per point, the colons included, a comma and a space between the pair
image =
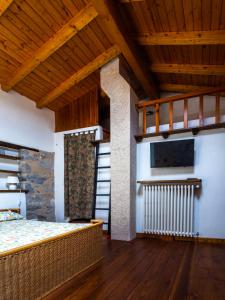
x: 37, y: 176
x: 124, y: 124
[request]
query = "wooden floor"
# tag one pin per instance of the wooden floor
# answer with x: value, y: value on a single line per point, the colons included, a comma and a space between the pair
x: 152, y: 269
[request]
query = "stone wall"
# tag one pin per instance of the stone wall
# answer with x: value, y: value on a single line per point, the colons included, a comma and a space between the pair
x: 37, y: 176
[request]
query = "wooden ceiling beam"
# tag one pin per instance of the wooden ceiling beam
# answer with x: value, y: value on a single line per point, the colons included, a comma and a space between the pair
x: 182, y: 88
x: 112, y: 24
x: 218, y: 70
x: 4, y: 4
x: 91, y: 67
x: 84, y: 17
x: 213, y: 37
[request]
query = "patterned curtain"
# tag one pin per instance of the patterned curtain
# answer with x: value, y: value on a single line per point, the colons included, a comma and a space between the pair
x: 79, y: 175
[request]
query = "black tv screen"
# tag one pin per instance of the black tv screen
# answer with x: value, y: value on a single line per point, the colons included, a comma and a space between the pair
x: 172, y: 154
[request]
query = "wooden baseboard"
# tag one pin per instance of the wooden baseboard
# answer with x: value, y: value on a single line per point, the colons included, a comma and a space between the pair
x: 181, y: 238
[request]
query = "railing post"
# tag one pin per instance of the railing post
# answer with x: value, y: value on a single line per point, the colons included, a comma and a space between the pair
x: 185, y: 113
x: 171, y: 115
x: 217, y: 109
x: 201, y: 114
x: 144, y: 120
x: 185, y: 98
x: 157, y: 118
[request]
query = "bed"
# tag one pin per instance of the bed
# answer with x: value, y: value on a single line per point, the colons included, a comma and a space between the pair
x: 32, y: 263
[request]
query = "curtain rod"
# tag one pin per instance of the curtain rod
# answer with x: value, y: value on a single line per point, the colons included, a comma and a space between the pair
x: 81, y: 132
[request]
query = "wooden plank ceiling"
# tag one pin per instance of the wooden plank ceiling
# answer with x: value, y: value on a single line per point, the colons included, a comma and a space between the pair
x: 184, y: 40
x: 51, y: 51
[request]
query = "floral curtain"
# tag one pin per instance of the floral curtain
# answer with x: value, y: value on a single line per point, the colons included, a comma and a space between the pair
x: 79, y: 175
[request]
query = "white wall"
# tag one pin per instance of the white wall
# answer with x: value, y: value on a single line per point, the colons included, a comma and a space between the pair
x: 209, y: 166
x: 59, y: 168
x: 16, y: 200
x: 22, y: 123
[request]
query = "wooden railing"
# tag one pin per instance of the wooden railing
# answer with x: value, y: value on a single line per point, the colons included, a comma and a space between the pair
x: 142, y: 105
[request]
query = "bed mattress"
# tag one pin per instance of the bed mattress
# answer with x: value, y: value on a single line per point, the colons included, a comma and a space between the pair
x: 20, y: 233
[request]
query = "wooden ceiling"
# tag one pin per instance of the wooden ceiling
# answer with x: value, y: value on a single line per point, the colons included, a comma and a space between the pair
x: 184, y: 40
x: 51, y: 50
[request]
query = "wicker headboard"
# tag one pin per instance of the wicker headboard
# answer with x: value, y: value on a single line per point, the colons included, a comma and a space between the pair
x: 16, y: 210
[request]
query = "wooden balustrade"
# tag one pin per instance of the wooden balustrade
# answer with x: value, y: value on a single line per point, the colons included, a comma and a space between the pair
x: 201, y: 109
x: 171, y: 115
x: 157, y: 118
x: 217, y: 109
x: 144, y: 120
x: 185, y: 113
x: 155, y: 104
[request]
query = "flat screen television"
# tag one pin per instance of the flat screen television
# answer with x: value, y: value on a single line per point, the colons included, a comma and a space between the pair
x: 172, y: 154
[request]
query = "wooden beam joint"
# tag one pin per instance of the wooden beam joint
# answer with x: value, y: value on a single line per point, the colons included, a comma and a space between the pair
x: 111, y: 21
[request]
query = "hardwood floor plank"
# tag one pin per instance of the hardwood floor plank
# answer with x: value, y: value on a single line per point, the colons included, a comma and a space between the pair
x: 122, y: 285
x: 101, y: 278
x: 207, y: 276
x: 159, y: 279
x: 151, y: 269
x: 180, y: 286
x: 131, y: 280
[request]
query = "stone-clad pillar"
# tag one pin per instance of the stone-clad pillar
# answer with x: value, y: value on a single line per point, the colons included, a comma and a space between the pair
x: 123, y: 127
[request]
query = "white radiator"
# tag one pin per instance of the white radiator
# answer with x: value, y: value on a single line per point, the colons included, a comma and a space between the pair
x: 169, y: 209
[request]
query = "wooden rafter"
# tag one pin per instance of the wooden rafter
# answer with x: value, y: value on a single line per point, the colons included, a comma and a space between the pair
x: 4, y: 4
x: 218, y: 70
x: 91, y: 67
x: 181, y: 88
x: 84, y: 17
x: 213, y: 37
x: 111, y: 23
